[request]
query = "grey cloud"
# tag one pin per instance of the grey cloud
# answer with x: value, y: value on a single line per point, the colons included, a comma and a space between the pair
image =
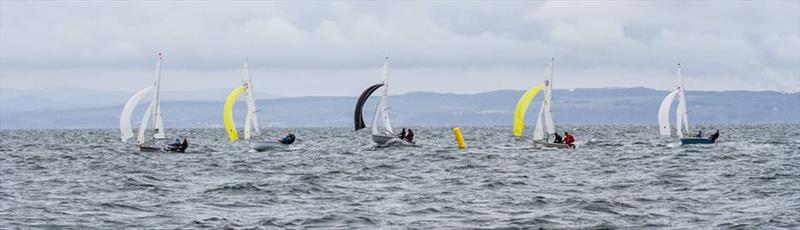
x: 740, y: 45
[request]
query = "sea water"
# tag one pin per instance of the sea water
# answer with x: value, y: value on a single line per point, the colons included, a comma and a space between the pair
x: 618, y: 177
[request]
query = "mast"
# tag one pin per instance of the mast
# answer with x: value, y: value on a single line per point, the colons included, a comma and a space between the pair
x: 156, y: 107
x: 681, y: 117
x: 548, y: 99
x: 251, y: 119
x: 382, y: 109
x: 387, y: 125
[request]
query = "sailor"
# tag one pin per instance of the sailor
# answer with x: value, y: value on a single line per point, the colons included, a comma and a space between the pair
x: 288, y: 139
x: 558, y: 138
x: 699, y: 134
x: 714, y: 136
x: 177, y: 141
x: 184, y: 145
x: 409, y: 136
x: 568, y: 139
x: 402, y: 134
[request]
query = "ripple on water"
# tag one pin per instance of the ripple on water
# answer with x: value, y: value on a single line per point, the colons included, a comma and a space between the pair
x: 334, y: 178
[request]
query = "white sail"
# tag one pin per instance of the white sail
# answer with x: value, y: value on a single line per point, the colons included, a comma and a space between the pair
x: 663, y: 114
x: 158, y: 123
x: 251, y: 119
x: 127, y: 112
x: 143, y: 126
x: 679, y: 117
x: 548, y: 92
x: 376, y: 116
x: 538, y: 132
x: 387, y: 124
x: 382, y: 109
x: 682, y: 113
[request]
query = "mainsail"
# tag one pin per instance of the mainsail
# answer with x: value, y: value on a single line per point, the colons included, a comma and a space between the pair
x: 382, y: 109
x: 251, y: 120
x: 158, y: 121
x: 548, y: 95
x: 143, y: 126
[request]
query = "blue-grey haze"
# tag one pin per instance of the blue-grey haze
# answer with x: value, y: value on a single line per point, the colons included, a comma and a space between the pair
x: 580, y: 106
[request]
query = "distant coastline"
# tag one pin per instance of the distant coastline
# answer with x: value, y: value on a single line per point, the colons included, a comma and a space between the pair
x: 79, y: 108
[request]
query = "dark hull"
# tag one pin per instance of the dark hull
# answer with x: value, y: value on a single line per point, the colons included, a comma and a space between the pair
x: 692, y: 141
x: 267, y: 146
x: 149, y: 149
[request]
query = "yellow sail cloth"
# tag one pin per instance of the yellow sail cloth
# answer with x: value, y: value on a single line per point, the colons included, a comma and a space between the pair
x: 522, y: 107
x: 227, y: 113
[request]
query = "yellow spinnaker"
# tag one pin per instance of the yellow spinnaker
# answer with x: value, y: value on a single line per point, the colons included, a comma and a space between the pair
x: 227, y: 113
x: 522, y: 106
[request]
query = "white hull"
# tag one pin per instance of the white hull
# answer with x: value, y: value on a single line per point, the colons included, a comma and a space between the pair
x: 551, y: 145
x: 268, y: 145
x: 384, y: 140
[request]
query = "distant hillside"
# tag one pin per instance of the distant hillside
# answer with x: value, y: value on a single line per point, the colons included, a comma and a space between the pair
x: 580, y: 106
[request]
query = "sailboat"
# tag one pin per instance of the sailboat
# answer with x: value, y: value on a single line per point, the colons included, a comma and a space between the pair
x: 681, y: 115
x: 544, y: 121
x: 380, y: 135
x: 153, y: 111
x: 251, y: 129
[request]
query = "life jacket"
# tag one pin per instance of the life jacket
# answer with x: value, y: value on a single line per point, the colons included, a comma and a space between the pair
x: 568, y: 139
x: 288, y: 139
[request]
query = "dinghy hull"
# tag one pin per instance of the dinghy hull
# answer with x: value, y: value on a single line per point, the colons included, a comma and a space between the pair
x: 268, y: 146
x: 382, y: 139
x: 551, y: 145
x: 149, y: 149
x: 692, y: 141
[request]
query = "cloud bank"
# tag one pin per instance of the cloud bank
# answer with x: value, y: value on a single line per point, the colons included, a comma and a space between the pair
x: 336, y: 48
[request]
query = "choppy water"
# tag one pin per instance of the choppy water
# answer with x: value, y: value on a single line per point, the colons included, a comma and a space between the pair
x: 625, y: 177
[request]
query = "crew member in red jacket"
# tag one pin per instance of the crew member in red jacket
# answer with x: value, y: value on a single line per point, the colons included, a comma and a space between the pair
x: 568, y: 139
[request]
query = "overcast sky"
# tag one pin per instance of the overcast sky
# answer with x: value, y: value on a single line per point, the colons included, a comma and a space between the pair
x: 337, y: 48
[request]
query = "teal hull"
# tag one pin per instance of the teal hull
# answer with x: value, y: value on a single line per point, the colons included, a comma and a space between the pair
x: 691, y: 141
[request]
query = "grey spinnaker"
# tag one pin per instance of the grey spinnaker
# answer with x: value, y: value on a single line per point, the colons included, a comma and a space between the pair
x: 357, y: 116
